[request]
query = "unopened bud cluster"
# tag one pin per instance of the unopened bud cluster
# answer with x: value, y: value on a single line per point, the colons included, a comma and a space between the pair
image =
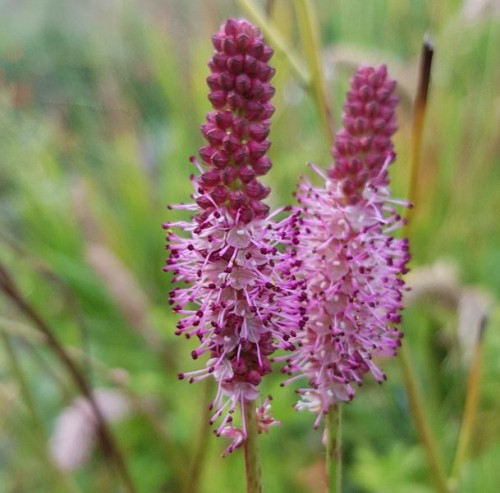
x: 236, y: 130
x: 363, y: 145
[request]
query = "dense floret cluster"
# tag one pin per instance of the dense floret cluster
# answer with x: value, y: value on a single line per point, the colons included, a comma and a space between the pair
x: 354, y: 265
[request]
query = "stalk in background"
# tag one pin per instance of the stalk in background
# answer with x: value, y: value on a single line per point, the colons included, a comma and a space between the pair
x: 415, y: 399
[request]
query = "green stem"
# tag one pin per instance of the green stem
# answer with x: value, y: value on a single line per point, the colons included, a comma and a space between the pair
x: 334, y: 449
x: 310, y: 34
x: 423, y: 430
x: 470, y: 408
x: 251, y: 449
x: 276, y: 39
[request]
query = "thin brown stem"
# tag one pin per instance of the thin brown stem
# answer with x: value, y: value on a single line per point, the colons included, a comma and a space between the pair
x: 419, y: 111
x: 470, y: 410
x: 8, y: 286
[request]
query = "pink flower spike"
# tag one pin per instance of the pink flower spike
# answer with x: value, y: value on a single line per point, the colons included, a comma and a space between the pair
x: 239, y: 297
x: 352, y: 265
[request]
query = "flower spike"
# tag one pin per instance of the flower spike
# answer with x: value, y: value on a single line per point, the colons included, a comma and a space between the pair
x: 236, y: 261
x: 354, y: 265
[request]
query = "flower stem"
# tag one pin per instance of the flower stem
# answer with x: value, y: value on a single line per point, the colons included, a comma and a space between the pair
x: 252, y: 462
x: 471, y: 403
x: 334, y: 449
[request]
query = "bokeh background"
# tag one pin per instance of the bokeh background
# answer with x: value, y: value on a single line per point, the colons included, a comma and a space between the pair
x: 100, y: 107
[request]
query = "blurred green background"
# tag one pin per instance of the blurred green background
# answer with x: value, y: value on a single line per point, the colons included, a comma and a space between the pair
x: 100, y: 107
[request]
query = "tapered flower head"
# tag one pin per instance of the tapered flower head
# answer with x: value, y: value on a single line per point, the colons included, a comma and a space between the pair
x: 239, y: 295
x: 237, y: 129
x: 352, y: 264
x: 363, y: 146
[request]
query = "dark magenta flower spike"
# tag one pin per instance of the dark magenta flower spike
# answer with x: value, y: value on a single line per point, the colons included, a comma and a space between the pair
x: 239, y: 295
